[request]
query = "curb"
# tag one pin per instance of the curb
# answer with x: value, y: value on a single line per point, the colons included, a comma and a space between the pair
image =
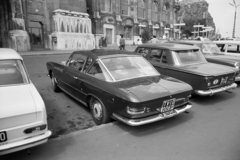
x: 72, y: 134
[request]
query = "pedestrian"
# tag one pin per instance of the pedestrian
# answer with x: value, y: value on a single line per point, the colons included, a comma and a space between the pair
x: 154, y: 40
x: 122, y: 43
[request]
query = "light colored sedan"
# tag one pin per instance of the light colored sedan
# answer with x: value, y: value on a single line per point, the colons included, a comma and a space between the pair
x: 229, y: 47
x: 23, y: 119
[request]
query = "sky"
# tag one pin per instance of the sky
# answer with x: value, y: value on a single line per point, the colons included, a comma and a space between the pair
x: 223, y: 16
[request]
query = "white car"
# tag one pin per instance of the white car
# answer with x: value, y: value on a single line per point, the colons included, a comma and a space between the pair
x: 23, y: 118
x: 229, y: 47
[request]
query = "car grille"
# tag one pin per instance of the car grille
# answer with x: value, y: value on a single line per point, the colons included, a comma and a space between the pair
x: 223, y: 80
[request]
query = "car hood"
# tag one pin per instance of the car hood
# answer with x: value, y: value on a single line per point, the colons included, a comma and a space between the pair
x: 208, y: 69
x: 17, y: 106
x: 150, y: 88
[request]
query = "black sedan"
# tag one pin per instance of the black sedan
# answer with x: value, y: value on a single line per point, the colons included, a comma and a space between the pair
x: 187, y: 63
x: 213, y: 54
x: 120, y: 85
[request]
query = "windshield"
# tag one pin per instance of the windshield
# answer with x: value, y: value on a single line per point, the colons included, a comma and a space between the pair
x: 188, y: 57
x: 12, y: 72
x: 210, y: 49
x: 122, y: 68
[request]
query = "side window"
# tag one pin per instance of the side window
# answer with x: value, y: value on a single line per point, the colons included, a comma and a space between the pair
x: 143, y: 51
x: 77, y: 64
x: 96, y: 71
x: 164, y: 57
x: 77, y: 61
x: 88, y: 62
x: 155, y: 55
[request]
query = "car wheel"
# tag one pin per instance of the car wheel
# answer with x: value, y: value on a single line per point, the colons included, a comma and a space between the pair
x: 54, y: 84
x: 99, y: 112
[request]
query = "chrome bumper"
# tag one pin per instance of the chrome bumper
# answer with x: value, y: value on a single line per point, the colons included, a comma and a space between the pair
x: 237, y: 78
x: 158, y: 117
x: 24, y: 144
x: 210, y: 92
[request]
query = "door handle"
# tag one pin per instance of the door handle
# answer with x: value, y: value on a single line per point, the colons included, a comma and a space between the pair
x: 75, y: 77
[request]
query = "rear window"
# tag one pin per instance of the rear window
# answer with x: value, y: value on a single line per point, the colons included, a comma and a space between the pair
x: 188, y: 57
x: 12, y: 72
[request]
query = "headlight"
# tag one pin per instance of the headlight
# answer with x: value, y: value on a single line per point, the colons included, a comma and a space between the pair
x: 215, y: 81
x: 236, y: 65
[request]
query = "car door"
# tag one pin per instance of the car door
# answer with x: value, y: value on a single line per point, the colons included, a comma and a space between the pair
x: 72, y: 78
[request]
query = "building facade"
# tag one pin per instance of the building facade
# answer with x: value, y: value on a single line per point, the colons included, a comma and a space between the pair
x: 110, y: 18
x: 45, y: 24
x: 78, y: 24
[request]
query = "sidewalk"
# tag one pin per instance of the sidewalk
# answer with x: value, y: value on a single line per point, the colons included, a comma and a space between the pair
x: 48, y: 52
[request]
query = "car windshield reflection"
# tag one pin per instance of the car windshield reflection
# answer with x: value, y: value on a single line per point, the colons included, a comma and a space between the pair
x: 12, y: 72
x: 211, y: 50
x: 122, y: 68
x: 186, y: 57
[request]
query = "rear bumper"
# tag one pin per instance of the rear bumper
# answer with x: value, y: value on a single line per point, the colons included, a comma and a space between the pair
x: 26, y: 143
x: 154, y: 118
x: 217, y: 90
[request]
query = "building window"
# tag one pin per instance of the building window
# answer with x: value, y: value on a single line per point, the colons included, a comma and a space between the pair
x: 165, y: 12
x: 141, y: 8
x: 125, y: 7
x: 128, y: 32
x: 106, y: 5
x: 154, y: 11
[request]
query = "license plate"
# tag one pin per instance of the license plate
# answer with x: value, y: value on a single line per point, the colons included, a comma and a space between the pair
x: 224, y: 81
x: 3, y: 137
x: 168, y: 105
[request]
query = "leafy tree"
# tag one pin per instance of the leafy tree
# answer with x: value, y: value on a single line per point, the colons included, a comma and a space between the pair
x: 146, y: 35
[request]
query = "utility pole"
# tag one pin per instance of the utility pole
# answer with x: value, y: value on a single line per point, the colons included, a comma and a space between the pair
x: 234, y: 23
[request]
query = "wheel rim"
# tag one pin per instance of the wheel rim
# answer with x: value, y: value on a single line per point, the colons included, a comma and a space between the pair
x: 97, y: 110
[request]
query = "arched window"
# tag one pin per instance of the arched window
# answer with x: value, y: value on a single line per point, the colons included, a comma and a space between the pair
x: 125, y: 7
x: 165, y: 12
x: 106, y: 5
x: 141, y: 8
x: 154, y: 11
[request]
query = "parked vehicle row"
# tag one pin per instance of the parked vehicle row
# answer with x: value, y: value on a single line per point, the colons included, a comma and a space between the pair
x: 152, y: 84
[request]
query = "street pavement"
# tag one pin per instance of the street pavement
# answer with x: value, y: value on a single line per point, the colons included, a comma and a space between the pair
x: 43, y: 52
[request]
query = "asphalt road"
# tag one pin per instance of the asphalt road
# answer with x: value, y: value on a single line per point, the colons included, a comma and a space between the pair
x: 210, y: 131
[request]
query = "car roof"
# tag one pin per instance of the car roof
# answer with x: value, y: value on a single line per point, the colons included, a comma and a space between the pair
x: 102, y: 53
x: 191, y: 42
x: 169, y: 46
x: 7, y: 53
x: 227, y: 42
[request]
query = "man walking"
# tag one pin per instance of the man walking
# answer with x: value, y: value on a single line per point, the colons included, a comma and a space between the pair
x: 122, y: 43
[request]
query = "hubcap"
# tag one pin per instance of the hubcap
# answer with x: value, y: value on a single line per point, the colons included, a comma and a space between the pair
x: 97, y: 110
x: 53, y: 81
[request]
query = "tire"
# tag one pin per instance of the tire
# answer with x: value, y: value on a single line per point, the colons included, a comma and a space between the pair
x: 99, y: 112
x: 54, y: 84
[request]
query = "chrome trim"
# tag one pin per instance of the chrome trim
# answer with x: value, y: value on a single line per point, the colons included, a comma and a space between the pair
x: 26, y: 143
x: 73, y: 96
x: 210, y: 92
x: 237, y: 78
x: 150, y: 119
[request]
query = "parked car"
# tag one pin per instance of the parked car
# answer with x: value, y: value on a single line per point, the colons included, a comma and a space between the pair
x: 187, y: 63
x: 213, y: 54
x: 120, y: 85
x: 23, y: 118
x: 229, y: 47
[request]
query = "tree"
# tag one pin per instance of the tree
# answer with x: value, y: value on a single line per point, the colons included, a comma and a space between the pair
x: 146, y: 35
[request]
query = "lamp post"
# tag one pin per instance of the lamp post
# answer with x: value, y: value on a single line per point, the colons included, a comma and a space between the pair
x: 179, y: 24
x: 234, y: 23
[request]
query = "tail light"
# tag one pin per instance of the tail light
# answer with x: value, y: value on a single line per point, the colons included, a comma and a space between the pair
x: 136, y: 111
x: 37, y: 128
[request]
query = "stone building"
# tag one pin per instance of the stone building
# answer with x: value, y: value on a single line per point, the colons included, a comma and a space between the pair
x: 110, y: 18
x: 78, y: 24
x: 45, y: 24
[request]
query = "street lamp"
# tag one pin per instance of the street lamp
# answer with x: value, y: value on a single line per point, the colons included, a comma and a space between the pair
x: 234, y: 5
x: 179, y: 24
